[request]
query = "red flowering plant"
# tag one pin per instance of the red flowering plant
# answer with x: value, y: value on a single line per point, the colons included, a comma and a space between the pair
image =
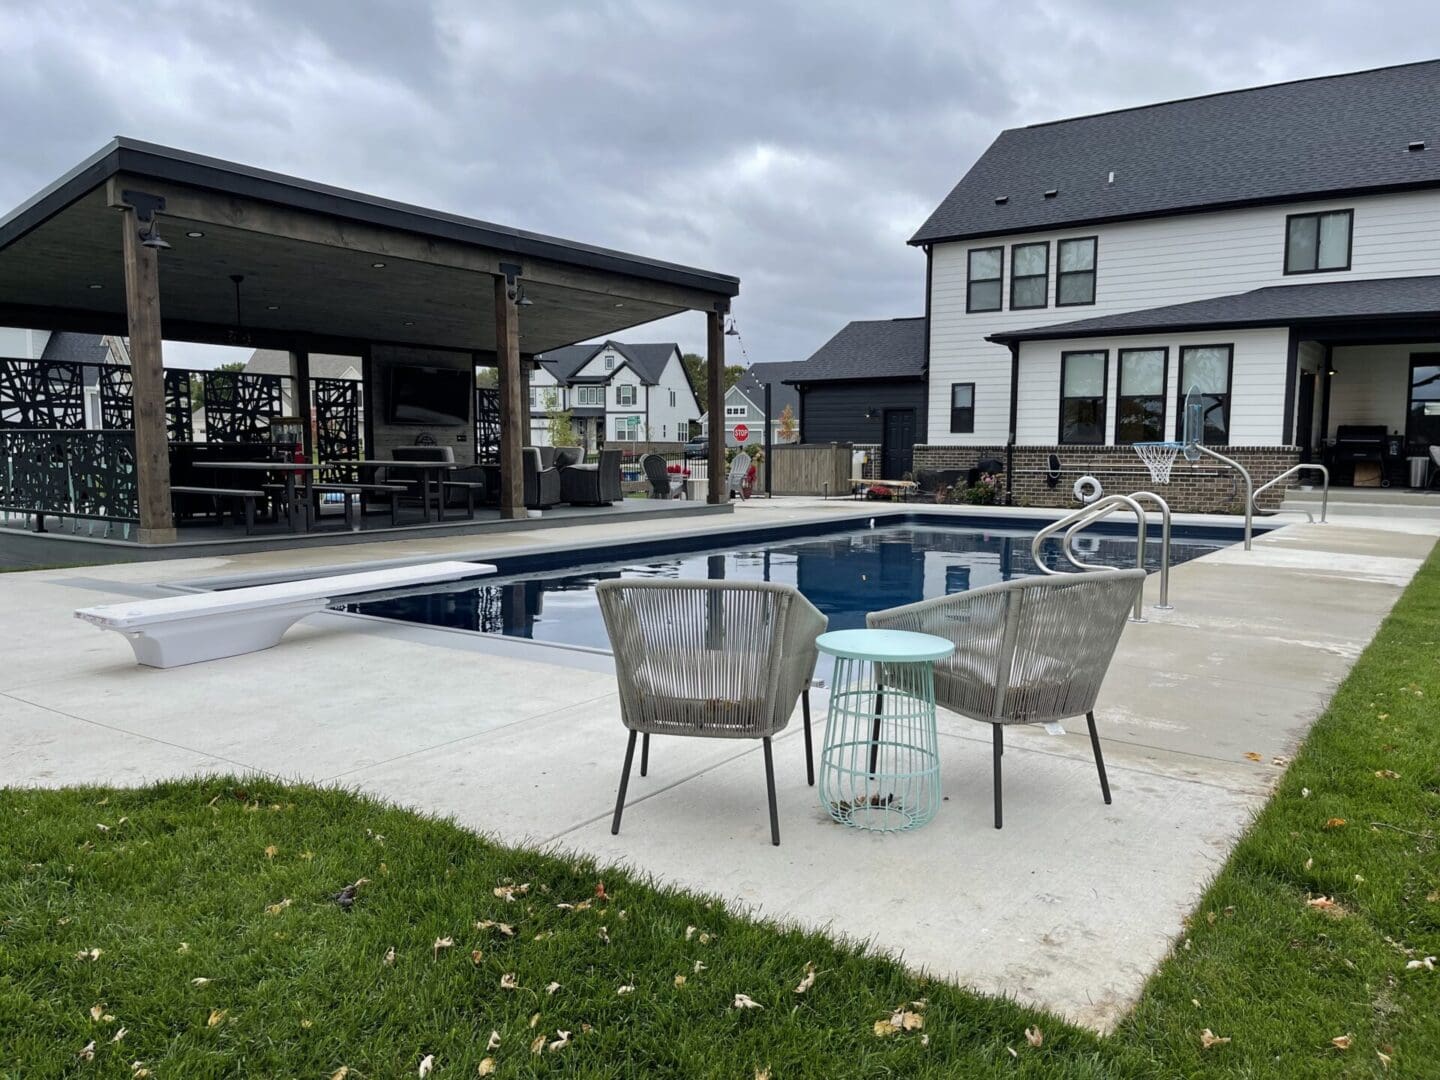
x: 676, y: 469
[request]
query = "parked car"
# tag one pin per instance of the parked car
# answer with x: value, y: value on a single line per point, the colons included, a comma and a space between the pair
x: 698, y: 447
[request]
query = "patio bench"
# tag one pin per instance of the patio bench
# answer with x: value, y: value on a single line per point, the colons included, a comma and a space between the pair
x: 246, y: 495
x: 471, y: 489
x: 903, y: 488
x: 350, y: 492
x: 187, y: 629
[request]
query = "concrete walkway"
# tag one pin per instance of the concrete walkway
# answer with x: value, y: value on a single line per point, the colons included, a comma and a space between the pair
x: 1071, y: 906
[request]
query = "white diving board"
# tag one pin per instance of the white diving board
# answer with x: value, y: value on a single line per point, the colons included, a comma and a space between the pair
x: 175, y: 630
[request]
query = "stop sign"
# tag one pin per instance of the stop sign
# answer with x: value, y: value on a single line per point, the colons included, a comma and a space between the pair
x: 741, y: 432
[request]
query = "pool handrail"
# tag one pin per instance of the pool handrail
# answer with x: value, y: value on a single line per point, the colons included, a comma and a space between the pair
x: 1324, y: 492
x: 1088, y: 515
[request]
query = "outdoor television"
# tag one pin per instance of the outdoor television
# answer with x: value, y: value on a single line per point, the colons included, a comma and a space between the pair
x: 429, y: 396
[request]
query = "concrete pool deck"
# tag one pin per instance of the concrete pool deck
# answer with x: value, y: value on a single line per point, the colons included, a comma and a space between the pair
x: 1070, y: 907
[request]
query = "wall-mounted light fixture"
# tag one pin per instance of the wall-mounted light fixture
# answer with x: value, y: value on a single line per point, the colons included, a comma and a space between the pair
x: 145, y: 205
x: 521, y: 300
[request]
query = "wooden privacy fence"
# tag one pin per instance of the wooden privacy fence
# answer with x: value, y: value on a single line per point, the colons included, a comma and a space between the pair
x: 810, y: 470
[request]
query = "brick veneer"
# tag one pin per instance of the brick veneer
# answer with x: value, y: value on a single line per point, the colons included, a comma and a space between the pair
x: 1205, y: 487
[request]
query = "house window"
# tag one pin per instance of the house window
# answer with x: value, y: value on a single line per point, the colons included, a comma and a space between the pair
x: 982, y: 290
x: 609, y: 361
x: 1075, y: 274
x: 962, y: 408
x: 1140, y: 398
x: 1423, y: 428
x: 664, y: 431
x: 672, y: 399
x: 1029, y: 275
x: 735, y: 410
x: 625, y: 394
x: 1205, y: 385
x: 1082, y: 396
x: 1318, y: 242
x: 590, y: 396
x: 627, y: 429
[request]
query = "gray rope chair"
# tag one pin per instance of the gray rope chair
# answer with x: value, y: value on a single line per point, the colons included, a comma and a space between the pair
x: 1030, y: 651
x: 713, y: 659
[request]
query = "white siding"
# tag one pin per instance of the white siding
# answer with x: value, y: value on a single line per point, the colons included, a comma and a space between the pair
x: 1143, y: 264
x: 1371, y: 384
x: 672, y: 423
x: 17, y: 343
x: 1257, y: 393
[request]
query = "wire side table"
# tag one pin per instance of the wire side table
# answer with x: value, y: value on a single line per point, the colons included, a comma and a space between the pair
x: 880, y: 765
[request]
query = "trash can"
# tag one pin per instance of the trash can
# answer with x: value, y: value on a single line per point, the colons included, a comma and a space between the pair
x: 1419, y: 472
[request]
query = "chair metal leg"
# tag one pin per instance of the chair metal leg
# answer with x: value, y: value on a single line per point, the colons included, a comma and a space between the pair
x: 645, y: 755
x: 1099, y: 758
x: 875, y: 731
x: 770, y: 791
x: 809, y: 755
x: 999, y: 752
x: 624, y: 783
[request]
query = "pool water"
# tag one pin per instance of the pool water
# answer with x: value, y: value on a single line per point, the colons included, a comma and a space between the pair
x: 844, y: 574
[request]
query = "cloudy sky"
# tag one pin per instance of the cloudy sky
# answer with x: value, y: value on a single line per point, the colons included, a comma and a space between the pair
x: 795, y: 145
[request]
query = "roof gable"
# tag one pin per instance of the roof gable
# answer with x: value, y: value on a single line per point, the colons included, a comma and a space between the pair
x: 647, y: 360
x: 1292, y: 141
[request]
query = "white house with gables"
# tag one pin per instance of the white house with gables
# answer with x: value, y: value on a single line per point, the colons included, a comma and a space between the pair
x: 615, y: 392
x: 1277, y: 250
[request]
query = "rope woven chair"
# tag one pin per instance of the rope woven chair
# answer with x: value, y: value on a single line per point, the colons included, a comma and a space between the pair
x: 1026, y: 652
x: 713, y: 659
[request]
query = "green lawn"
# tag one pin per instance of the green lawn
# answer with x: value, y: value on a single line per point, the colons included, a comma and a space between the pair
x: 222, y: 952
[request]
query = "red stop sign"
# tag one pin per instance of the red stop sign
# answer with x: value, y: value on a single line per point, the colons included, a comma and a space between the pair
x: 741, y: 432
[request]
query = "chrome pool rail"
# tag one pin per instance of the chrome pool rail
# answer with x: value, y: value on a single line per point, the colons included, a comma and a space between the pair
x: 1249, y: 487
x: 1164, y: 604
x: 1088, y: 515
x: 1324, y: 492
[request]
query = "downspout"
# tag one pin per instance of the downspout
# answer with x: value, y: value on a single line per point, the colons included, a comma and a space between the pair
x: 1014, y: 423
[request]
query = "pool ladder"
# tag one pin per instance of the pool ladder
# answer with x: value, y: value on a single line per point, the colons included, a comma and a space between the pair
x: 1102, y: 508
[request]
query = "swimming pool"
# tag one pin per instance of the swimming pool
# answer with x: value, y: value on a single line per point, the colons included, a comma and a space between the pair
x: 844, y: 573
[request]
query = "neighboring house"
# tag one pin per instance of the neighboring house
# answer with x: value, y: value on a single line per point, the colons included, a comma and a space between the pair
x: 322, y: 366
x: 615, y: 392
x: 745, y: 404
x: 1277, y: 250
x: 866, y: 386
x: 65, y: 347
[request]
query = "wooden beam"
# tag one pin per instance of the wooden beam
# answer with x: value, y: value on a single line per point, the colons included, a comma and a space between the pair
x: 300, y: 366
x: 147, y: 374
x: 715, y: 378
x: 512, y: 414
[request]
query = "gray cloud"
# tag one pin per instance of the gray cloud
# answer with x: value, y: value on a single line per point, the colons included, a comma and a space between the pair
x: 795, y: 145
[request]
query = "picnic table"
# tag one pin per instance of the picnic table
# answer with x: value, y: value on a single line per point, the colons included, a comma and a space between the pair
x: 903, y: 488
x: 297, y: 508
x: 432, y: 476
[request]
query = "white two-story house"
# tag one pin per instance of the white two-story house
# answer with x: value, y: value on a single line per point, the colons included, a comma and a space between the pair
x: 1272, y: 252
x: 615, y: 392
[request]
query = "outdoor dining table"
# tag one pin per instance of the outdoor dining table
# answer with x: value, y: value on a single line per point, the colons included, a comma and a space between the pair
x: 291, y: 472
x: 432, y: 475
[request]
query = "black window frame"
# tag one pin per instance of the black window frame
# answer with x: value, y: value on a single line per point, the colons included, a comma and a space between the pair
x: 1104, y: 417
x: 970, y: 281
x: 1121, y: 396
x: 1229, y: 348
x: 1094, y: 271
x: 1414, y: 438
x: 1045, y: 277
x: 1317, y: 269
x: 955, y: 410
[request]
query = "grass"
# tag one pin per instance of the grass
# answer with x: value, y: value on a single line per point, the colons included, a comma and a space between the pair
x: 231, y: 881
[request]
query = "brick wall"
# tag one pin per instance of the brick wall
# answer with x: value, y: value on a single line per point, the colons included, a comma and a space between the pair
x: 1205, y: 487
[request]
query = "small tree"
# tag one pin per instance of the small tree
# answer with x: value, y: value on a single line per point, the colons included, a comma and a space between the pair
x: 787, y: 424
x: 562, y: 427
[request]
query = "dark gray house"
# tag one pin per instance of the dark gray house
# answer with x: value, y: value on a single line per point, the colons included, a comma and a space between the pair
x: 866, y: 386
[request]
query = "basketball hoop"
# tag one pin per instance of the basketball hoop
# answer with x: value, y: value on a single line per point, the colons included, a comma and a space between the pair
x: 1158, y: 458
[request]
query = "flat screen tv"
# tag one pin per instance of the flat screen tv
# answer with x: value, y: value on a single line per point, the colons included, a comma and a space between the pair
x: 429, y: 396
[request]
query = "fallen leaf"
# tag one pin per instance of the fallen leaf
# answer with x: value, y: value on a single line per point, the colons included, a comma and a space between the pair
x: 184, y: 948
x: 762, y: 1074
x: 390, y: 956
x: 199, y: 981
x: 102, y: 828
x: 1304, y: 793
x: 507, y: 981
x: 534, y: 1019
x: 560, y: 1042
x: 217, y: 1017
x: 278, y: 907
x: 699, y: 966
x: 440, y: 943
x: 427, y: 1065
x: 689, y: 932
x: 96, y: 1011
x: 491, y: 924
x: 1428, y: 963
x: 1322, y: 903
x: 1309, y: 863
x: 138, y: 1070
x: 341, y: 1073
x: 1034, y: 1036
x: 494, y: 1043
x: 1341, y: 1042
x: 271, y: 851
x: 884, y: 1028
x: 1387, y: 774
x: 600, y: 893
x: 1384, y: 1059
x: 704, y: 939
x: 307, y: 1024
x: 550, y: 988
x: 487, y: 1066
x: 679, y: 981
x: 89, y: 954
x: 119, y: 1034
x: 745, y: 1001
x: 1335, y: 823
x: 1253, y: 756
x: 1195, y: 1002
x: 476, y: 956
x: 509, y: 892
x: 1208, y: 1039
x: 538, y: 1046
x: 87, y: 1053
x: 626, y: 989
x: 604, y: 935
x: 907, y: 1021
x: 808, y: 981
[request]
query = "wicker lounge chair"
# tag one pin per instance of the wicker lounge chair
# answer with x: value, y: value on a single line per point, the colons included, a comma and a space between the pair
x: 1027, y: 652
x: 713, y: 659
x: 658, y: 474
x: 597, y: 484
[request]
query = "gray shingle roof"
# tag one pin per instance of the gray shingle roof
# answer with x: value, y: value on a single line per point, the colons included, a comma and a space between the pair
x: 1304, y: 139
x: 647, y: 359
x: 71, y: 348
x: 869, y: 349
x: 1275, y: 305
x: 752, y: 385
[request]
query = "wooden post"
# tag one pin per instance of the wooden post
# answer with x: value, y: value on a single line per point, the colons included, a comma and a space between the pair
x: 715, y: 372
x: 300, y: 367
x: 512, y: 412
x: 147, y: 374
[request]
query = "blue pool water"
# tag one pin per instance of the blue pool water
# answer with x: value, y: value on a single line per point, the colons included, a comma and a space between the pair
x: 844, y: 574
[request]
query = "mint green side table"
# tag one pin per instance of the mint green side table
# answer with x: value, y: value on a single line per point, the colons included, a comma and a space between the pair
x: 880, y: 765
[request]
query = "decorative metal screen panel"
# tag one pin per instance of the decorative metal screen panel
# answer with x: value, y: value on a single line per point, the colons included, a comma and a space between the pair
x: 179, y: 408
x: 41, y: 394
x: 337, y: 410
x: 81, y: 474
x: 487, y: 425
x: 117, y: 398
x: 240, y: 406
